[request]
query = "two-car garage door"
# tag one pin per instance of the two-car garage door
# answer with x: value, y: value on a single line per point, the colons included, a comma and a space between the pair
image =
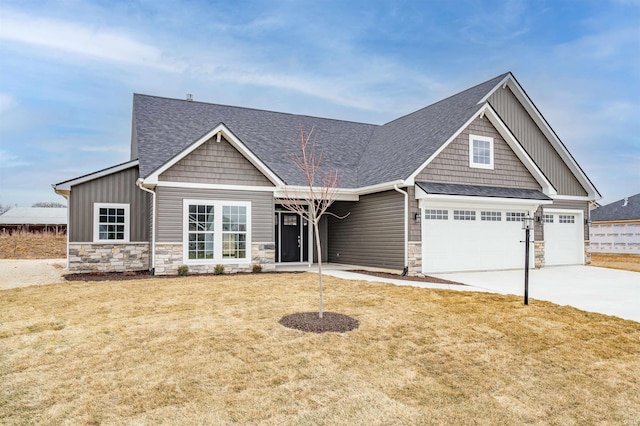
x: 459, y: 238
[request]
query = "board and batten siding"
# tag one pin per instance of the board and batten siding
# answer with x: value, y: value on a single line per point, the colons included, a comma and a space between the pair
x: 169, y: 214
x: 452, y: 164
x: 118, y: 187
x: 216, y: 163
x: 571, y: 205
x: 535, y: 143
x: 372, y: 234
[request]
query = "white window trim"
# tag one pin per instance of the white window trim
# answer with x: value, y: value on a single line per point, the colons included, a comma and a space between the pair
x: 96, y: 221
x: 217, y: 235
x: 491, y: 154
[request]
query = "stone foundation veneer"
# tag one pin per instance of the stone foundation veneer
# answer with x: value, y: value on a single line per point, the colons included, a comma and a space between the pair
x: 587, y: 252
x: 169, y: 258
x: 415, y: 258
x: 101, y: 257
x: 538, y: 254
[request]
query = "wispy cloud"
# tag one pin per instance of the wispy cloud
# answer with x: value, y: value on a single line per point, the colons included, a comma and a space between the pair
x: 9, y: 160
x: 6, y: 102
x: 106, y: 44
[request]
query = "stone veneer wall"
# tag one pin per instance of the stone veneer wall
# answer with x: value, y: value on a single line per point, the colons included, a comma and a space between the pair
x: 169, y: 258
x: 115, y: 257
x: 587, y: 252
x: 538, y: 254
x: 415, y: 258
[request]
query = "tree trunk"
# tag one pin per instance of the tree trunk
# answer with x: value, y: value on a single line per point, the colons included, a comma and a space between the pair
x: 319, y: 250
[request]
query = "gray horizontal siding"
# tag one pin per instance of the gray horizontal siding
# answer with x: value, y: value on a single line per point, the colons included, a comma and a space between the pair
x: 535, y: 143
x: 118, y: 187
x: 217, y: 163
x: 372, y: 234
x: 573, y: 205
x: 452, y: 164
x: 169, y: 214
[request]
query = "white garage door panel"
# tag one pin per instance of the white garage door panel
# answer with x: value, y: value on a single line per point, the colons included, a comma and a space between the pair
x: 564, y: 242
x: 456, y: 245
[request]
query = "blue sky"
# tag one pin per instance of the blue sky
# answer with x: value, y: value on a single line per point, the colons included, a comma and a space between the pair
x: 68, y: 70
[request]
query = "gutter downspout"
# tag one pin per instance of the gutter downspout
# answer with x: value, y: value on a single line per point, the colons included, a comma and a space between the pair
x: 66, y: 197
x: 152, y: 250
x: 406, y: 228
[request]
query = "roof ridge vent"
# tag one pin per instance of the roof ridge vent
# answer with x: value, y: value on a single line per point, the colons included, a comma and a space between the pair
x: 189, y: 97
x: 626, y: 201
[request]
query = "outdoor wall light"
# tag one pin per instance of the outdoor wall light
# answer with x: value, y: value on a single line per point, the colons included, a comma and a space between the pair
x: 587, y: 221
x: 416, y: 217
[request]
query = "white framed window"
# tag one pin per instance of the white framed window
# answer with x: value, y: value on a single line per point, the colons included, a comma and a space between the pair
x: 566, y: 218
x: 464, y: 215
x: 547, y: 218
x: 480, y: 152
x: 491, y: 216
x: 515, y: 216
x: 436, y: 214
x: 110, y: 222
x: 216, y: 231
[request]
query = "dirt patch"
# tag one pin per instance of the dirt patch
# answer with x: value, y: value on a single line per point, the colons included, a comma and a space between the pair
x: 23, y: 273
x: 311, y: 322
x: 626, y: 262
x: 425, y: 279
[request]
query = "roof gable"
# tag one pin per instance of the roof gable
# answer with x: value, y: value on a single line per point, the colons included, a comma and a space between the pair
x: 400, y: 147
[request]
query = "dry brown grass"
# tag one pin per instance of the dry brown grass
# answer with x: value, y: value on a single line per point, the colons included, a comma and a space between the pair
x: 32, y: 245
x: 209, y: 350
x: 627, y: 262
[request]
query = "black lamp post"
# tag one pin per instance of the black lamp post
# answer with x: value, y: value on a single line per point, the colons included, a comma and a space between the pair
x: 527, y: 225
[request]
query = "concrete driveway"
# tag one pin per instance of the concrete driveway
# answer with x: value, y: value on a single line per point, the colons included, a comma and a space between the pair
x: 607, y: 291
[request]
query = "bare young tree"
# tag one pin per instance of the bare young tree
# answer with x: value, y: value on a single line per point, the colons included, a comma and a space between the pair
x: 4, y: 208
x: 314, y: 199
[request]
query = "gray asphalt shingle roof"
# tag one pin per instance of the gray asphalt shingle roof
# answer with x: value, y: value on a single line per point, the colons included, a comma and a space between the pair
x: 618, y: 210
x: 364, y: 154
x: 480, y: 191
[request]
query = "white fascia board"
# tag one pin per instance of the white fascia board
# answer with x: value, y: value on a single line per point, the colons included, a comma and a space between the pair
x: 302, y: 192
x: 214, y: 186
x: 548, y: 132
x: 411, y: 179
x: 466, y: 199
x: 65, y: 187
x: 571, y: 197
x: 343, y: 194
x: 233, y: 140
x: 525, y: 159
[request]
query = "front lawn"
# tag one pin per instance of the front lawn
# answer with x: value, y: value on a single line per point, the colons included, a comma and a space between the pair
x: 210, y: 350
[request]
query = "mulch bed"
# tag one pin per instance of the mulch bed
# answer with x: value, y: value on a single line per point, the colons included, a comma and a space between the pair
x: 141, y: 275
x: 312, y: 323
x: 425, y: 279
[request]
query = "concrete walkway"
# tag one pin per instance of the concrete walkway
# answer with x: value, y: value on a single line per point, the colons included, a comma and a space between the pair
x: 606, y: 291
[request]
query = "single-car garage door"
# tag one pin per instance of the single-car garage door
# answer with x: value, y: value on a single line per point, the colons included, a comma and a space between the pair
x: 458, y: 238
x: 563, y: 237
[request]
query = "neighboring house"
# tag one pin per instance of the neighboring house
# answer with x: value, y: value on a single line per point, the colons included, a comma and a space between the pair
x: 444, y: 188
x: 53, y: 219
x: 615, y: 227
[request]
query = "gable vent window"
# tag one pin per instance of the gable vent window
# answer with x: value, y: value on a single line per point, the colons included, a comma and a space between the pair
x: 491, y: 216
x: 514, y: 217
x: 566, y: 218
x: 434, y: 214
x: 480, y: 152
x: 464, y: 215
x: 548, y: 218
x: 111, y: 222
